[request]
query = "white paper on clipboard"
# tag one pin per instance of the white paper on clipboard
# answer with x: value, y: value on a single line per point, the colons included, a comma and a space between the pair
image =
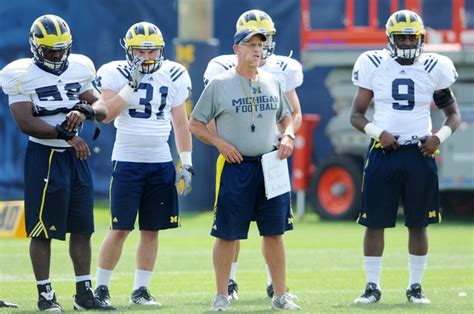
x: 275, y: 175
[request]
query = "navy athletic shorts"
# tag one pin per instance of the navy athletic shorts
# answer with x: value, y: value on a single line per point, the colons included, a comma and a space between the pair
x: 241, y: 198
x: 58, y: 193
x: 399, y: 175
x: 146, y: 189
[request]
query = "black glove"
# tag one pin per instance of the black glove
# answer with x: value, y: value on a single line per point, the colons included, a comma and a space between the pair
x: 88, y: 111
x: 63, y: 133
x: 85, y: 108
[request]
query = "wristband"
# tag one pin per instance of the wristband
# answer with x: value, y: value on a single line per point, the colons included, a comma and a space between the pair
x: 126, y: 92
x: 443, y: 133
x: 372, y: 130
x: 186, y: 158
x: 63, y: 133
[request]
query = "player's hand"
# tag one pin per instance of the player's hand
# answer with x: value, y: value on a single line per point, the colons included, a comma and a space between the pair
x: 230, y: 153
x: 74, y: 120
x: 135, y: 75
x: 285, y: 148
x: 80, y: 146
x: 429, y: 146
x: 388, y: 141
x: 186, y: 174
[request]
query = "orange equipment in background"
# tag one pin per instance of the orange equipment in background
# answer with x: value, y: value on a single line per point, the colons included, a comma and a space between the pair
x: 303, y: 167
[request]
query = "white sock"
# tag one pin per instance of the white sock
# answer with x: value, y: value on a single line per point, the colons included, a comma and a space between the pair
x: 83, y: 278
x: 142, y: 278
x: 233, y: 270
x: 43, y: 282
x: 269, y: 275
x: 103, y: 277
x: 373, y: 267
x: 416, y: 266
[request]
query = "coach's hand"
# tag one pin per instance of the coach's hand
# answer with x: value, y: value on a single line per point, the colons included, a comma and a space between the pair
x: 285, y: 148
x: 80, y: 146
x: 186, y: 174
x: 230, y: 153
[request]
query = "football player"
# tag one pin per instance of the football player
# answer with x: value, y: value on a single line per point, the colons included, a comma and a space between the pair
x: 290, y: 75
x: 144, y: 94
x: 50, y: 96
x: 403, y: 82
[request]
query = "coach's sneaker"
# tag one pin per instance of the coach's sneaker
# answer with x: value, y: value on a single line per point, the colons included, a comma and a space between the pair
x: 371, y: 294
x: 102, y: 294
x: 87, y: 301
x: 142, y: 296
x: 270, y: 293
x: 47, y: 302
x: 284, y: 302
x: 221, y: 303
x: 233, y: 289
x: 415, y: 295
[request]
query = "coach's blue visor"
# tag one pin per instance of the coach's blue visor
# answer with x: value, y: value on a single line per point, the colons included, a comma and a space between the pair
x: 245, y: 34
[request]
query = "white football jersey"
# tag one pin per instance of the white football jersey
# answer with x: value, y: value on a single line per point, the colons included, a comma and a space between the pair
x: 22, y: 80
x: 144, y: 127
x: 288, y: 71
x: 403, y: 93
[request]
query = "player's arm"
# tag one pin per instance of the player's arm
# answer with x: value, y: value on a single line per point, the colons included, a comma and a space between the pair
x: 179, y: 119
x: 200, y: 130
x: 114, y: 103
x: 100, y: 110
x: 22, y: 112
x: 445, y: 100
x: 295, y: 105
x: 358, y: 119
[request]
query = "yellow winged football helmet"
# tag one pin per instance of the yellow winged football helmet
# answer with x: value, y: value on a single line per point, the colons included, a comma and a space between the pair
x: 405, y: 22
x: 50, y: 32
x: 144, y: 36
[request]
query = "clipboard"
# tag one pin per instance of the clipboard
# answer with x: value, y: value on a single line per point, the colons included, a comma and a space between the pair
x: 275, y: 174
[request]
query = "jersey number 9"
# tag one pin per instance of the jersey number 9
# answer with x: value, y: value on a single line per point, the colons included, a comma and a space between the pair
x: 407, y: 94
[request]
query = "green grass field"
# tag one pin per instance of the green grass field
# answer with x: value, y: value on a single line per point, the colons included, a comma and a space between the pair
x: 324, y: 268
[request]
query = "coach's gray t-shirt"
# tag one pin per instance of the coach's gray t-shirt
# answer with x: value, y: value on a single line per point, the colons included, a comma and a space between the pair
x: 236, y: 103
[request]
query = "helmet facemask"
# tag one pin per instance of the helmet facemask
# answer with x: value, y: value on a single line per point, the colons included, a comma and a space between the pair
x: 148, y: 66
x: 405, y: 52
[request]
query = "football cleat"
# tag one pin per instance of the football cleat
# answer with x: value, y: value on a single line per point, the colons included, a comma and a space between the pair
x: 284, y: 302
x: 221, y: 303
x: 47, y: 302
x: 142, y: 296
x: 233, y: 289
x: 7, y: 304
x: 102, y: 294
x: 415, y: 295
x: 371, y: 294
x: 87, y: 301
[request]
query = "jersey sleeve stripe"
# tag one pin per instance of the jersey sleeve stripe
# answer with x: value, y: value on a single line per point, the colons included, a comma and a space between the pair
x: 431, y: 68
x: 222, y: 65
x: 177, y: 76
x: 428, y: 63
x: 373, y: 61
x: 174, y: 72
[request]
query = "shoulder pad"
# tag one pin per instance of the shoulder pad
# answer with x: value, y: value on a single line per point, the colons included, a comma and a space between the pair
x: 12, y: 75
